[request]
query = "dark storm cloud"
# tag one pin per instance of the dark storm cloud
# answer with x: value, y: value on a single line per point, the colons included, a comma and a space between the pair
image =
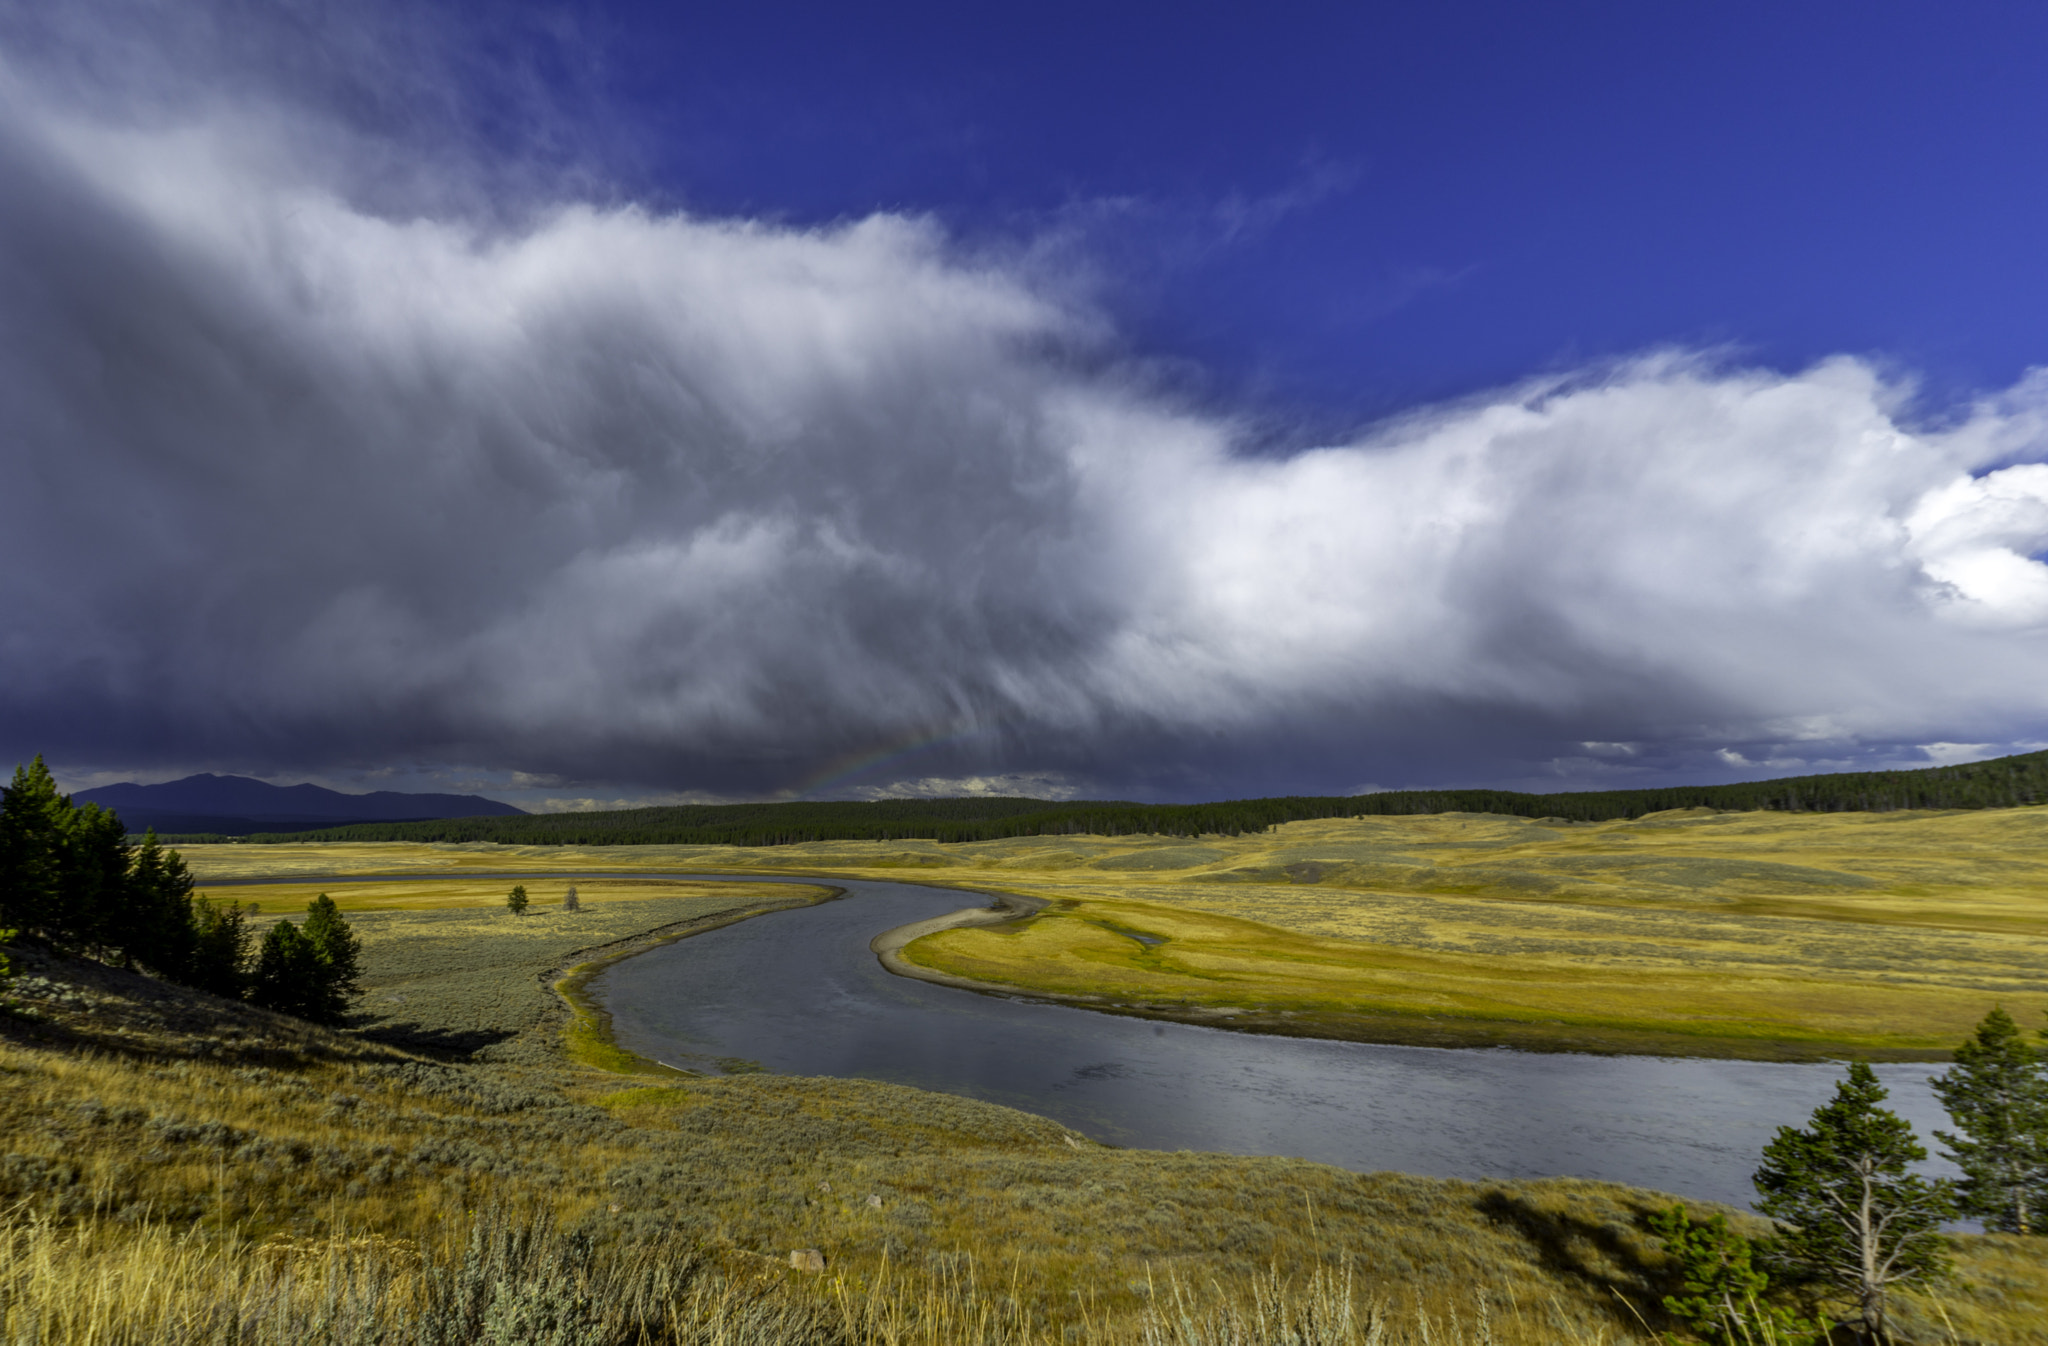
x: 296, y: 480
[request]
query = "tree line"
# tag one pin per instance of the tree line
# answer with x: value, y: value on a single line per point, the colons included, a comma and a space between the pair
x: 2003, y: 782
x: 71, y: 880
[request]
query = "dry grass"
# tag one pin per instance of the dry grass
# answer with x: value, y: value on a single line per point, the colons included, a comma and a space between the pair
x: 470, y: 976
x: 1740, y: 934
x: 176, y: 1161
x: 445, y: 895
x: 1976, y: 870
x: 1179, y: 962
x: 143, y: 1125
x: 512, y: 1279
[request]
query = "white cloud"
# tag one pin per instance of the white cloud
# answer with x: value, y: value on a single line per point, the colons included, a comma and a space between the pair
x: 1954, y: 754
x: 617, y: 495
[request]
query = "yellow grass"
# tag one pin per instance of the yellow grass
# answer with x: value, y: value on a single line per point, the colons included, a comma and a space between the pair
x: 464, y: 977
x: 1747, y: 934
x: 166, y: 1154
x: 160, y: 1180
x: 432, y: 894
x: 1191, y: 964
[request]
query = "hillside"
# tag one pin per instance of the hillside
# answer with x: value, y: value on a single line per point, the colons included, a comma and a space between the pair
x: 2003, y: 782
x: 239, y: 805
x: 180, y: 1160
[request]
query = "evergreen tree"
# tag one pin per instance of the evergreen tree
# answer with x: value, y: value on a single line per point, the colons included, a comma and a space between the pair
x: 515, y: 901
x: 219, y: 960
x: 570, y: 901
x: 1997, y: 1094
x: 155, y: 926
x: 30, y: 870
x: 290, y: 978
x: 1851, y: 1217
x: 93, y: 857
x: 63, y: 870
x: 340, y: 955
x: 1722, y: 1299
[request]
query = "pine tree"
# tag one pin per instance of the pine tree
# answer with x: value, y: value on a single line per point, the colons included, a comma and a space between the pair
x: 219, y: 960
x: 63, y: 870
x: 515, y: 901
x: 155, y: 926
x: 570, y: 902
x: 290, y: 978
x: 92, y: 878
x: 340, y: 955
x: 1851, y: 1217
x: 30, y: 868
x: 1997, y: 1094
x: 1723, y: 1288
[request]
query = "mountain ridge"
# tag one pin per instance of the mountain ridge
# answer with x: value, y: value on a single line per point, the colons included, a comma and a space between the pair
x: 2000, y: 782
x: 242, y: 804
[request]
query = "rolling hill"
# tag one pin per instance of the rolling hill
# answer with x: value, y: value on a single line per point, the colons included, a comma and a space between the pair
x: 241, y: 806
x: 2002, y: 782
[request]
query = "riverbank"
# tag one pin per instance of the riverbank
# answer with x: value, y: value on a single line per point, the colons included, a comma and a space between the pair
x: 1748, y: 936
x: 149, y: 1127
x: 1155, y: 961
x: 587, y: 1037
x: 156, y: 1127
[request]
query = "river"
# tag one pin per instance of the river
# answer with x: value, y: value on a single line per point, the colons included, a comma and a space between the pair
x: 798, y: 992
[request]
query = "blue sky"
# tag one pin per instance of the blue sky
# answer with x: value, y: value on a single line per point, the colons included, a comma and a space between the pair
x: 1356, y: 208
x: 616, y: 402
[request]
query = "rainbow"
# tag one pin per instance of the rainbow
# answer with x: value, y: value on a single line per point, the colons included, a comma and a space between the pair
x: 846, y: 769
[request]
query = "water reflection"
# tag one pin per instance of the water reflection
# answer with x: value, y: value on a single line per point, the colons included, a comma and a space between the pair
x: 799, y: 993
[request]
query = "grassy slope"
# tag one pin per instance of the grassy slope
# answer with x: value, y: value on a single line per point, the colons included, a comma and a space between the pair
x: 137, y: 1102
x: 123, y: 1101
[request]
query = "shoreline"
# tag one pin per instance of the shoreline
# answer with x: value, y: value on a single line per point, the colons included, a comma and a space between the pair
x: 1368, y: 1028
x: 586, y: 1039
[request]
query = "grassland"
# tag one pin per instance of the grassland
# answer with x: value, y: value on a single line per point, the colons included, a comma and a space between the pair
x: 182, y: 1169
x: 1767, y: 935
x: 464, y: 977
x: 1759, y: 935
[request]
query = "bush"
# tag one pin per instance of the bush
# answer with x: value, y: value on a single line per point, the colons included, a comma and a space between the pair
x: 1722, y: 1289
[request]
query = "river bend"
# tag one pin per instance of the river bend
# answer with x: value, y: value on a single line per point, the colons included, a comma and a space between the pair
x: 798, y: 992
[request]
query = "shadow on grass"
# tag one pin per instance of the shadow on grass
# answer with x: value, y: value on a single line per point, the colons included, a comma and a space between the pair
x: 26, y: 1028
x: 448, y: 1042
x: 1596, y: 1254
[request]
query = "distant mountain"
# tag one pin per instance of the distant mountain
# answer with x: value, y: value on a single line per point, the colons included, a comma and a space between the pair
x: 237, y: 806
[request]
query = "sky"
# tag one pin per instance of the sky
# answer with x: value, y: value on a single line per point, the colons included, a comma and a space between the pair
x: 618, y: 403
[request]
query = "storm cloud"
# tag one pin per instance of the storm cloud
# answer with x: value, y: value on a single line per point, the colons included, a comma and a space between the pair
x: 301, y: 478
